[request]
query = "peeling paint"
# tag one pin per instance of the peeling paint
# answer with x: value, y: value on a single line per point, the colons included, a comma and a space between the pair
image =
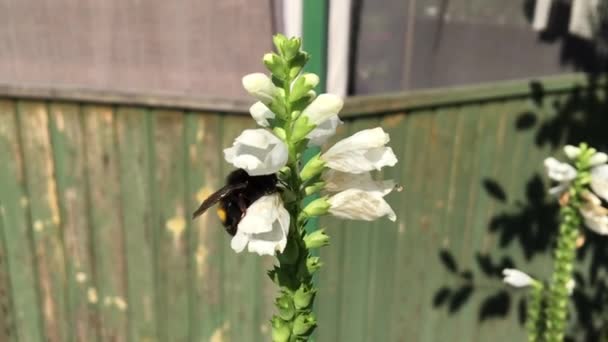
x: 200, y: 134
x: 201, y: 258
x: 106, y: 116
x: 107, y: 301
x: 219, y: 335
x: 81, y: 277
x: 120, y: 303
x: 401, y: 228
x: 176, y: 226
x: 264, y: 329
x: 392, y: 121
x: 51, y: 189
x: 38, y: 226
x: 203, y: 193
x: 71, y: 193
x: 59, y: 121
x: 24, y: 201
x: 192, y: 152
x: 92, y: 295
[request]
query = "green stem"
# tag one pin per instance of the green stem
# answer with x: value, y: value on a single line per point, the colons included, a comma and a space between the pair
x: 534, y: 314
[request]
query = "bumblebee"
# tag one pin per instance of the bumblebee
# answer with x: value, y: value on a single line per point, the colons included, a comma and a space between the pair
x: 240, y: 191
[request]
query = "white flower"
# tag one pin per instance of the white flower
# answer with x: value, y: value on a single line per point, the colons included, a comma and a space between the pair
x: 594, y: 214
x: 516, y: 278
x: 572, y: 151
x: 356, y: 204
x: 258, y: 152
x: 361, y: 152
x: 563, y: 173
x: 324, y: 107
x: 264, y: 228
x: 599, y: 181
x: 558, y: 171
x: 261, y: 114
x: 336, y: 181
x: 260, y: 87
x: 598, y: 158
x: 324, y: 131
x: 570, y: 285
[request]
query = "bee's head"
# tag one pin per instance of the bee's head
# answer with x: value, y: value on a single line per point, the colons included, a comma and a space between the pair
x: 237, y: 176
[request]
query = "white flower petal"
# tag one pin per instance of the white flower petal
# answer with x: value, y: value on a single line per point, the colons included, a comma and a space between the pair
x: 324, y: 131
x: 559, y: 189
x: 238, y: 242
x: 595, y: 216
x: 261, y: 114
x: 270, y: 242
x: 257, y: 151
x: 336, y: 181
x: 572, y: 151
x: 261, y: 214
x: 599, y: 181
x: 358, y: 204
x: 516, y: 278
x: 598, y: 159
x: 264, y: 228
x: 558, y: 171
x: 570, y: 285
x: 260, y: 87
x: 322, y: 108
x: 361, y: 152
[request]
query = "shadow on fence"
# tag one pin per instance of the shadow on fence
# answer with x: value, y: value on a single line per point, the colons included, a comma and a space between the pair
x: 531, y: 222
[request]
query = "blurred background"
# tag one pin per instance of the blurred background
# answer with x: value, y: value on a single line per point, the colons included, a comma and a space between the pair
x: 114, y: 114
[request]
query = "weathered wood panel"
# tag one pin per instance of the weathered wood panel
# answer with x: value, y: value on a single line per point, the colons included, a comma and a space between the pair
x: 97, y: 243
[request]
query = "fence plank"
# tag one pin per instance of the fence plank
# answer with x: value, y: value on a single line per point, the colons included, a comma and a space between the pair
x: 132, y: 129
x: 16, y: 230
x: 203, y: 178
x: 45, y: 217
x: 69, y: 159
x: 171, y: 225
x: 108, y: 293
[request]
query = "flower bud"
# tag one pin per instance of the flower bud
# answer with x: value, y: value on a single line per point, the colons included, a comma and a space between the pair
x: 314, y: 188
x: 301, y: 128
x: 291, y: 47
x: 313, y: 168
x: 322, y: 108
x: 313, y: 264
x: 572, y: 151
x: 286, y: 307
x: 279, y: 41
x: 280, y: 330
x: 260, y: 87
x: 317, y: 207
x: 302, y: 86
x: 303, y: 297
x: 261, y: 114
x: 276, y: 65
x: 304, y: 323
x: 316, y: 239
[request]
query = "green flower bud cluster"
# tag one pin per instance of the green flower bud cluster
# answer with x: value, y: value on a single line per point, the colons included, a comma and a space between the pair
x: 557, y: 294
x: 292, y: 92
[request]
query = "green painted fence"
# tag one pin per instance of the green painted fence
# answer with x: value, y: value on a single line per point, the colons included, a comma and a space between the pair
x: 96, y: 243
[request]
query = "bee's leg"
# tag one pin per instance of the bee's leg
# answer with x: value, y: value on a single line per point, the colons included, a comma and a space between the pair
x: 242, y: 204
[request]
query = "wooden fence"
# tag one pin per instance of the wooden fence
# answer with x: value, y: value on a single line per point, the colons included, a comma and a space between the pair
x: 96, y: 243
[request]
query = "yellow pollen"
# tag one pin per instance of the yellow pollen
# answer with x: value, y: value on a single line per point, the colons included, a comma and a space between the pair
x: 221, y: 213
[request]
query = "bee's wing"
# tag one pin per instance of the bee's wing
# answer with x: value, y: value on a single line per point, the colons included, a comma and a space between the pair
x: 216, y: 197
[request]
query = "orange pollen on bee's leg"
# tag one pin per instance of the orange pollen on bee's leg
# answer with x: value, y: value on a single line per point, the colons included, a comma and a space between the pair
x: 221, y: 213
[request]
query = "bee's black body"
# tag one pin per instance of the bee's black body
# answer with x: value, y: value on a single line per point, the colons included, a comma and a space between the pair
x: 240, y: 191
